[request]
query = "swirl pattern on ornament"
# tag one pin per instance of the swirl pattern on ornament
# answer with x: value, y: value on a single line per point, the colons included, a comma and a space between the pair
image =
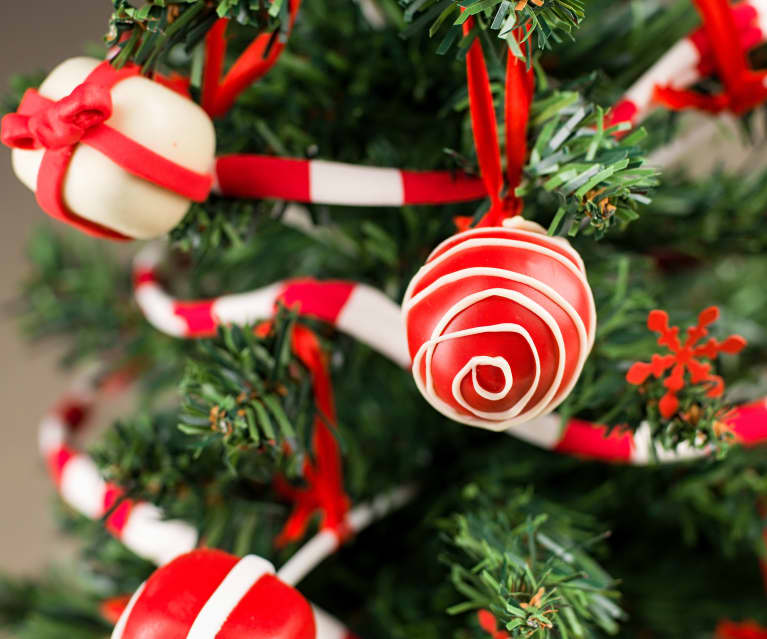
x: 499, y: 324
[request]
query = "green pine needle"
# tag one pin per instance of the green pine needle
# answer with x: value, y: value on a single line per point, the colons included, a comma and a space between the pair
x: 599, y: 180
x: 156, y: 27
x: 546, y: 24
x: 251, y: 392
x: 527, y: 562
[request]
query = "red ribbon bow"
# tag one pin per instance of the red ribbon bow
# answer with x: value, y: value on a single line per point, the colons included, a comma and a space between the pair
x: 744, y: 88
x: 60, y: 124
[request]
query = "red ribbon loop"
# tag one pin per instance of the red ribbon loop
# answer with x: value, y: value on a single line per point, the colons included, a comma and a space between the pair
x: 324, y: 492
x: 218, y: 95
x: 744, y: 87
x: 60, y: 124
x: 519, y: 95
x: 520, y: 87
x: 15, y: 133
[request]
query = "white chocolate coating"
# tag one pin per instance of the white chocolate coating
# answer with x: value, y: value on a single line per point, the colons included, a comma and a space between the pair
x: 99, y: 190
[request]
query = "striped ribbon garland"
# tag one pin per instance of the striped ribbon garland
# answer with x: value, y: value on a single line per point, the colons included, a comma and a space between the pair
x: 141, y: 526
x: 336, y: 183
x: 369, y: 316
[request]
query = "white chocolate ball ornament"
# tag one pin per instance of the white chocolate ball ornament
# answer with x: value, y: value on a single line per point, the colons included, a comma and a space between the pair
x: 499, y: 323
x: 124, y: 155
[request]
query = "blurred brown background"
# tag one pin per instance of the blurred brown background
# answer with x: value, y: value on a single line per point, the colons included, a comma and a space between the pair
x: 36, y: 34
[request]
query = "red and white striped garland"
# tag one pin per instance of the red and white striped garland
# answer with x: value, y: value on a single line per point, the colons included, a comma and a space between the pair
x: 139, y: 525
x: 588, y: 440
x: 686, y: 62
x: 356, y: 309
x: 324, y: 182
x: 368, y: 315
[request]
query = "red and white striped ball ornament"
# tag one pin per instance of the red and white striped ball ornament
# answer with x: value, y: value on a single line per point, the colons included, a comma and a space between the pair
x: 207, y: 594
x: 499, y: 323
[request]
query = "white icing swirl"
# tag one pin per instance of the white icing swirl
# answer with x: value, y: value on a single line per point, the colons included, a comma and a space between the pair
x: 520, y: 412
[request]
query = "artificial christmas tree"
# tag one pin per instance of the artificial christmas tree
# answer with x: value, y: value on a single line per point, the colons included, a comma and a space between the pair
x: 283, y: 335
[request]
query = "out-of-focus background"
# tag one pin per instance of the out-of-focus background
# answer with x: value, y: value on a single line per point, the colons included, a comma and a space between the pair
x: 37, y: 34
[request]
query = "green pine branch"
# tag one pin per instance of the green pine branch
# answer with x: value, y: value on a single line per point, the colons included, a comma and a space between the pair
x: 233, y: 505
x: 528, y: 563
x: 599, y: 180
x: 65, y: 603
x: 720, y: 502
x: 77, y: 288
x: 217, y: 225
x: 706, y: 219
x: 545, y: 22
x: 252, y: 392
x: 147, y: 34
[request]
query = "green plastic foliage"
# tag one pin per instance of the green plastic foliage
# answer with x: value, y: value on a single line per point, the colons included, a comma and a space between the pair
x: 148, y: 34
x: 526, y: 561
x: 252, y: 392
x: 546, y: 22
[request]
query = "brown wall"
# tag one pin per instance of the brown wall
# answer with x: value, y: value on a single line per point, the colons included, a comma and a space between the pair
x: 34, y: 34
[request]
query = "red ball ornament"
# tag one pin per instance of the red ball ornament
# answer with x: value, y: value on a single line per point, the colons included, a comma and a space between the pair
x: 209, y: 594
x: 499, y: 323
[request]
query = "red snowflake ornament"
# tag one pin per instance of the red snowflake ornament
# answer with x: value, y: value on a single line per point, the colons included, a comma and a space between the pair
x: 684, y: 357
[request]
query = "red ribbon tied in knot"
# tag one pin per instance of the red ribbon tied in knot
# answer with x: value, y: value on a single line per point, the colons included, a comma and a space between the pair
x: 61, y: 124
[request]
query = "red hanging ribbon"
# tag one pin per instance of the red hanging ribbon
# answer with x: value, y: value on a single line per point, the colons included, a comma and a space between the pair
x: 324, y: 492
x: 520, y: 86
x: 219, y: 95
x: 483, y: 121
x: 519, y: 93
x: 744, y: 87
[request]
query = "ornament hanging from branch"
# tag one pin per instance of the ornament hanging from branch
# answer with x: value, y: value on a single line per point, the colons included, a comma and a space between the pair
x: 501, y: 318
x: 109, y: 151
x: 500, y: 321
